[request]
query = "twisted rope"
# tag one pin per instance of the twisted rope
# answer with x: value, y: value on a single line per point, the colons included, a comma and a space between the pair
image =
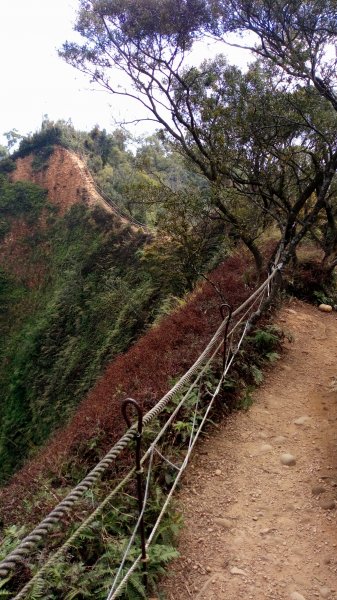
x: 114, y: 593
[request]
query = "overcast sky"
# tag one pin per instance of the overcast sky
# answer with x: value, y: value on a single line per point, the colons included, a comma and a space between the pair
x: 35, y: 81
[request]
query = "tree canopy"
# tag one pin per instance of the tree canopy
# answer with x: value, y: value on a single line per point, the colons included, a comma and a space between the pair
x: 265, y: 140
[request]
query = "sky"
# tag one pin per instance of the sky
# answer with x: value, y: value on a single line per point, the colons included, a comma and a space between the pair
x: 35, y: 81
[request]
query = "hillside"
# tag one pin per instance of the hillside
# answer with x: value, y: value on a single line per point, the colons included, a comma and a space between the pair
x: 74, y: 292
x: 64, y: 176
x: 90, y: 332
x: 67, y: 181
x: 144, y: 372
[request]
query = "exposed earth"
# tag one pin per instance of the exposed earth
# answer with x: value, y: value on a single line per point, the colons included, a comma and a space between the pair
x: 256, y: 528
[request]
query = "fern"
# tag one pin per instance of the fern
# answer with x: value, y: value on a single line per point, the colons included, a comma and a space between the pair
x: 135, y: 589
x: 272, y: 356
x: 257, y: 374
x: 38, y: 590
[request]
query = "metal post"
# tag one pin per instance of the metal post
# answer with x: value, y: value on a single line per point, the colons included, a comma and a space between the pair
x: 139, y: 473
x: 229, y: 316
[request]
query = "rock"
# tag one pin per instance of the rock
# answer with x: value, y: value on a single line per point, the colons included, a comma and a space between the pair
x: 288, y: 459
x: 302, y: 420
x: 324, y: 592
x: 218, y: 472
x: 296, y: 596
x: 208, y: 569
x: 325, y: 308
x: 266, y: 448
x: 226, y: 523
x: 236, y: 571
x: 280, y: 439
x: 265, y: 531
x: 327, y: 503
x: 318, y: 489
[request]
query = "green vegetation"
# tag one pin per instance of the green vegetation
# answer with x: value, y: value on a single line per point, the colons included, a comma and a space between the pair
x: 19, y: 200
x: 96, y: 299
x: 240, y: 154
x: 263, y: 140
x: 98, y: 285
x: 87, y: 568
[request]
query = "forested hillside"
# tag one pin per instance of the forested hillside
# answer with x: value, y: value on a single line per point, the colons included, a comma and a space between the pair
x: 120, y: 259
x: 79, y: 282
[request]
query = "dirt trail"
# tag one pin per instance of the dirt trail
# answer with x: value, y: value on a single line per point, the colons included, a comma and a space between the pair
x: 255, y: 528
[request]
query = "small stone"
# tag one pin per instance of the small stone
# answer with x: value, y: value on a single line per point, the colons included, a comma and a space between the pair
x: 288, y: 460
x: 325, y: 308
x: 265, y: 531
x: 236, y: 571
x: 280, y: 439
x: 318, y: 489
x: 324, y: 592
x: 218, y: 472
x: 266, y: 448
x: 226, y: 523
x: 208, y: 569
x: 296, y: 596
x: 302, y: 420
x: 327, y: 503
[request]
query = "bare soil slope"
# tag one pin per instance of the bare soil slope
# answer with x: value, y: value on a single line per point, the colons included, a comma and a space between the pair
x: 67, y: 181
x: 255, y: 528
x: 66, y: 178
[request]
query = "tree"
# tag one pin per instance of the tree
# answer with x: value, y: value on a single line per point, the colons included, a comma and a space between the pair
x: 264, y: 140
x: 13, y: 138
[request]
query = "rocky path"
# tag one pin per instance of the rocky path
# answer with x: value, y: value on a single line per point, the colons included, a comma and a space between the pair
x: 256, y: 528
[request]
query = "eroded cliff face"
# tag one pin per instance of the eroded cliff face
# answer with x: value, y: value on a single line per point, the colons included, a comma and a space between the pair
x: 65, y: 177
x: 67, y: 181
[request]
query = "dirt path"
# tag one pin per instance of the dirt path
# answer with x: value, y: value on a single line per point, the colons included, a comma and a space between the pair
x: 255, y: 528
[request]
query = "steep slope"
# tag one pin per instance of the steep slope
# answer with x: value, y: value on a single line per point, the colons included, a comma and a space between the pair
x: 143, y: 372
x: 65, y: 177
x: 67, y: 182
x: 73, y: 291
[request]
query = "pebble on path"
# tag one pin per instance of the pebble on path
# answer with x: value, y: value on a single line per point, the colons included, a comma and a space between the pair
x: 302, y: 420
x: 226, y: 523
x: 318, y: 489
x: 296, y: 596
x: 328, y: 503
x: 325, y: 308
x: 288, y: 459
x: 236, y: 571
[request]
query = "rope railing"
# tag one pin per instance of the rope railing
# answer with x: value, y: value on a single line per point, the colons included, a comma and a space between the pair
x: 32, y: 541
x: 195, y: 432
